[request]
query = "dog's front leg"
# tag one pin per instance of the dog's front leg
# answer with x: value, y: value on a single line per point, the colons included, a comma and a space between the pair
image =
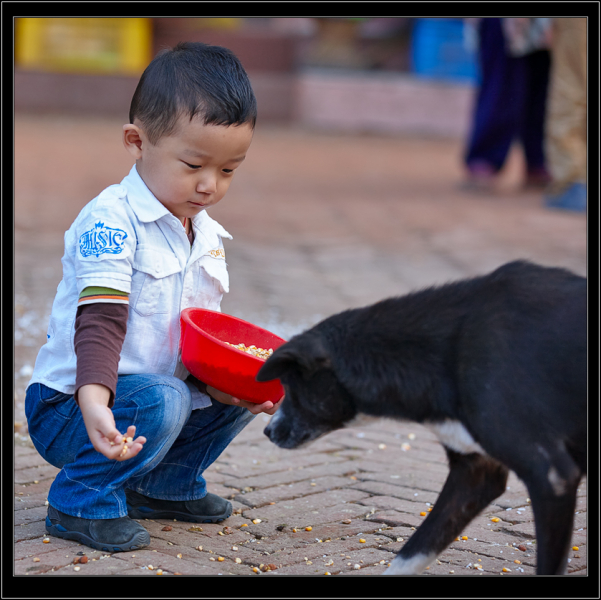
x: 474, y: 481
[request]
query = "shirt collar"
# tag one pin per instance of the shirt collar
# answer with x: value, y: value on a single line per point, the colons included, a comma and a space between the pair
x: 143, y: 202
x: 204, y: 223
x: 147, y: 208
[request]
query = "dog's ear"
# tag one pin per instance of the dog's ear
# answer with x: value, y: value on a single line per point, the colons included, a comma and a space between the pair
x: 304, y: 355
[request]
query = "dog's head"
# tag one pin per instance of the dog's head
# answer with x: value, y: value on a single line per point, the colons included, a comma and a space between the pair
x: 315, y: 402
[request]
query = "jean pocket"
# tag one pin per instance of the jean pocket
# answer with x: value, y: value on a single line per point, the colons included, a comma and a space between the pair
x: 63, y: 404
x: 49, y: 413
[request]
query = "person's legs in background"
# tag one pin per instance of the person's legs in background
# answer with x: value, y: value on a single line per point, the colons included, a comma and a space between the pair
x: 566, y: 116
x: 532, y: 126
x: 499, y: 105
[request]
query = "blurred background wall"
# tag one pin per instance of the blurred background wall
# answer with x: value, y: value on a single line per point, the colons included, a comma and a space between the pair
x: 396, y: 75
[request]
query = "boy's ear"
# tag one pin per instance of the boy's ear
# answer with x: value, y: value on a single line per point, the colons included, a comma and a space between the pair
x: 132, y: 140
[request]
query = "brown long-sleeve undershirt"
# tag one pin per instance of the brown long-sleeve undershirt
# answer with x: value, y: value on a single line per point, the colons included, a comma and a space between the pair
x: 99, y: 333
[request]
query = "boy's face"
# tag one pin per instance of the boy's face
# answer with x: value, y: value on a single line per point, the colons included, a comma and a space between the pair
x: 191, y: 169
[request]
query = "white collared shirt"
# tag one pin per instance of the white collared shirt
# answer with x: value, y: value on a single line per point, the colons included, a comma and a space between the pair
x: 125, y: 239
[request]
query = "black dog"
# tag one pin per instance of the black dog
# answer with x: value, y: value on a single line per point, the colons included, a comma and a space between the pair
x: 496, y: 366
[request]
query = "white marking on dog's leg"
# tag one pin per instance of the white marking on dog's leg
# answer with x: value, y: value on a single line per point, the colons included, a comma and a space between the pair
x: 409, y: 566
x: 558, y: 483
x: 455, y: 436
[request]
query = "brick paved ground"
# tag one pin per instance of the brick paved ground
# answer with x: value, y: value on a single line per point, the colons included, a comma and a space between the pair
x: 320, y: 223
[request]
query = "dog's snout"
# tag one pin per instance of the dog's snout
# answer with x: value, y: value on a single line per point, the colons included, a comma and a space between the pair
x: 267, y: 431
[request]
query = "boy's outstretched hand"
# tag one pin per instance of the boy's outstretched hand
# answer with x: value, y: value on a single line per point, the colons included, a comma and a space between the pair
x: 100, y: 425
x: 125, y: 445
x: 267, y: 407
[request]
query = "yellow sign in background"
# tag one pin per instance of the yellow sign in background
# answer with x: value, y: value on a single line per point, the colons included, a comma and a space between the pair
x: 84, y: 45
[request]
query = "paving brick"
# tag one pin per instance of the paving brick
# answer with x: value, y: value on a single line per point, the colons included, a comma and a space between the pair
x: 31, y: 515
x: 365, y: 570
x: 325, y: 551
x: 36, y: 547
x: 364, y: 557
x: 397, y: 491
x: 214, y: 475
x: 177, y: 541
x: 29, y: 489
x: 26, y: 458
x: 310, y: 518
x: 28, y: 531
x: 23, y: 452
x: 28, y: 501
x: 432, y: 473
x: 287, y: 540
x: 580, y: 520
x: 577, y: 561
x: 419, y: 481
x: 190, y: 563
x: 106, y: 564
x: 247, y: 550
x: 396, y: 518
x: 398, y: 504
x: 280, y: 493
x: 520, y: 530
x: 398, y: 534
x: 304, y: 467
x: 395, y: 445
x: 413, y: 464
x: 312, y: 503
x: 48, y: 561
x: 31, y: 474
x: 102, y: 569
x: 463, y: 563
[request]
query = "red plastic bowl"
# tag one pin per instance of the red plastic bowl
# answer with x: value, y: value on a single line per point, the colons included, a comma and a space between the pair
x: 223, y: 367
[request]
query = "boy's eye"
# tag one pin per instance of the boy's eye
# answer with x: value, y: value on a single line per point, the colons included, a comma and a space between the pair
x: 193, y: 166
x: 228, y: 170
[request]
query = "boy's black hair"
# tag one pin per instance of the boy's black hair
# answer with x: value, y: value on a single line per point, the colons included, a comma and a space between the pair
x: 192, y: 79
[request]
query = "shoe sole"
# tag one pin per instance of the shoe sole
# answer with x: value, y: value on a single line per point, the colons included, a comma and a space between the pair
x: 147, y: 513
x: 139, y: 540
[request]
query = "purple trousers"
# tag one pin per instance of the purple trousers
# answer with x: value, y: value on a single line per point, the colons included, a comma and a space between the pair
x: 510, y: 104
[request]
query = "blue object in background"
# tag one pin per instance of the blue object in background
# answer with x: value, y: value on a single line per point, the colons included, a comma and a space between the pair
x: 438, y: 51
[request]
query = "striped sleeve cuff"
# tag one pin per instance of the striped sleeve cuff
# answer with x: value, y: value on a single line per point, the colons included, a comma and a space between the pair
x: 92, y: 294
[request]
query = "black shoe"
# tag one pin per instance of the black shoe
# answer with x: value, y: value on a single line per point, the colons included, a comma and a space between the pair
x: 210, y: 509
x: 110, y: 535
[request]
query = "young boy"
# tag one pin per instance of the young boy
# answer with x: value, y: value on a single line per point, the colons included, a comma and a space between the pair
x: 135, y: 257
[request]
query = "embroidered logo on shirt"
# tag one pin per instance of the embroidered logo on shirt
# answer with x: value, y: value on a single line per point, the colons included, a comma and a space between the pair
x: 102, y: 239
x: 217, y: 253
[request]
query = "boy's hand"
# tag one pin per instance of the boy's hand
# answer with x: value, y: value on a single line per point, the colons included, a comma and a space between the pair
x: 267, y: 407
x: 100, y: 425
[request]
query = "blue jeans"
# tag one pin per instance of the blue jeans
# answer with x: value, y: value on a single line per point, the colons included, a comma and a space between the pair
x: 181, y: 444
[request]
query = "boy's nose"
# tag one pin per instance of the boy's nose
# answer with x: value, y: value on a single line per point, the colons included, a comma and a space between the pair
x: 207, y: 184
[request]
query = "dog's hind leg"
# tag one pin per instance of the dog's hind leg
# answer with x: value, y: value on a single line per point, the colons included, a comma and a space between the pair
x: 474, y: 481
x: 552, y: 484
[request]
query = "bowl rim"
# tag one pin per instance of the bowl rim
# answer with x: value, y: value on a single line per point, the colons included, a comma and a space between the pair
x: 185, y: 316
